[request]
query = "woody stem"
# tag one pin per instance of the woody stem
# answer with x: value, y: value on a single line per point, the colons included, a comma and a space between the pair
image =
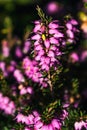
x: 50, y: 82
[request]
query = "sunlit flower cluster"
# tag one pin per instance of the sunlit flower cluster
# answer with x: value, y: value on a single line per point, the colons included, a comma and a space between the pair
x: 34, y: 121
x: 47, y: 42
x: 6, y: 105
x: 32, y: 71
x: 80, y: 125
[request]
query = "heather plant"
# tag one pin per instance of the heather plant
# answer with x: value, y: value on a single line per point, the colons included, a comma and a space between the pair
x: 38, y: 88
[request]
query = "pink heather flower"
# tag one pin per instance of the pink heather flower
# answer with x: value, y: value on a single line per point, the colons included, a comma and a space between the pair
x: 13, y: 63
x: 27, y: 128
x: 37, y: 119
x: 56, y: 124
x: 23, y: 91
x: 47, y: 60
x: 52, y: 7
x: 36, y: 43
x: 5, y: 51
x: 84, y: 55
x: 25, y: 120
x: 22, y: 119
x: 39, y: 27
x: 3, y: 68
x: 53, y: 41
x: 74, y: 57
x: 80, y: 125
x: 36, y: 114
x: 18, y: 52
x: 41, y: 52
x: 36, y: 37
x: 30, y: 90
x: 26, y: 47
x: 10, y: 68
x: 47, y: 43
x: 6, y: 100
x: 31, y: 119
x: 53, y: 48
x: 53, y: 25
x: 18, y: 75
x: 65, y: 105
x: 70, y: 34
x: 58, y: 35
x: 45, y: 67
x: 51, y: 54
x: 38, y: 125
x: 38, y: 48
x: 69, y: 26
x: 50, y: 127
x: 44, y: 127
x: 1, y: 95
x: 64, y: 115
x: 5, y: 48
x: 73, y: 22
x: 38, y: 57
x: 19, y: 117
x: 53, y: 59
x: 9, y: 110
x: 53, y: 31
x: 70, y: 40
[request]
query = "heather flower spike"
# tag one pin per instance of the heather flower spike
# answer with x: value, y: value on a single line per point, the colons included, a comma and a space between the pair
x: 47, y: 41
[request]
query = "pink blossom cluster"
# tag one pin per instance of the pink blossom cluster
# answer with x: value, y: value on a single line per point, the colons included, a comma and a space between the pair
x: 26, y: 47
x: 75, y: 57
x: 7, y: 69
x: 26, y: 90
x: 7, y: 105
x: 33, y: 72
x: 80, y: 125
x: 18, y: 75
x: 47, y: 41
x: 71, y: 30
x: 34, y: 121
